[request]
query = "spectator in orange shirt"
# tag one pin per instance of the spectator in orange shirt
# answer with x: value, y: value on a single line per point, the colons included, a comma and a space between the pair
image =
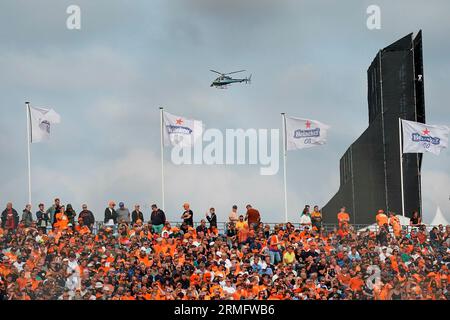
x: 343, y: 218
x: 394, y: 222
x: 381, y: 218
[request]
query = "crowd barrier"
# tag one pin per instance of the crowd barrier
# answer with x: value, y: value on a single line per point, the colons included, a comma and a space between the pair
x: 328, y: 227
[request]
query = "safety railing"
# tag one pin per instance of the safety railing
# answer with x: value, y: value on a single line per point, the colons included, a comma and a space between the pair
x: 327, y: 227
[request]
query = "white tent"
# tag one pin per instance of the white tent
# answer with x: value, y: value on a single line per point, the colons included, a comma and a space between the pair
x: 439, y: 218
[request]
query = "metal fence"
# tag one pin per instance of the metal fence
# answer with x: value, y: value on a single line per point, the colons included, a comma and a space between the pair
x: 328, y: 227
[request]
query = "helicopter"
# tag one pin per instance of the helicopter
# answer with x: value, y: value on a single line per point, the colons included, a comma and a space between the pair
x: 224, y: 80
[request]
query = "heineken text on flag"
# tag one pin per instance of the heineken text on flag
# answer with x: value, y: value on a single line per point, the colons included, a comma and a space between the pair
x: 179, y: 131
x: 419, y: 137
x: 304, y: 133
x: 40, y: 123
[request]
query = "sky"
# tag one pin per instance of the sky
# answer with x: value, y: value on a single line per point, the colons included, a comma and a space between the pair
x: 108, y: 80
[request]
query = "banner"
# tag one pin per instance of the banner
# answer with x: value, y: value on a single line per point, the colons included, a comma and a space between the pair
x: 40, y: 123
x: 304, y: 133
x: 179, y: 131
x: 419, y: 137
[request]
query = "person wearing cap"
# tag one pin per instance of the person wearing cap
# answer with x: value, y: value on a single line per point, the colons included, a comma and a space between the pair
x: 188, y: 215
x: 157, y: 218
x: 123, y: 214
x: 87, y: 216
x: 110, y: 213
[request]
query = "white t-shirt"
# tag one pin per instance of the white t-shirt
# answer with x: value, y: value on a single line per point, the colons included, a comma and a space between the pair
x: 305, y: 219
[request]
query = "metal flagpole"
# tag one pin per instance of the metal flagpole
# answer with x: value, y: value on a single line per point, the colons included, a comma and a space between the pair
x: 401, y: 164
x: 283, y: 120
x: 162, y: 156
x: 27, y: 104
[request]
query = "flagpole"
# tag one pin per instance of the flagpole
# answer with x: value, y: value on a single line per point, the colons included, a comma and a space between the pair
x: 162, y: 157
x: 401, y: 164
x: 27, y: 104
x: 283, y: 120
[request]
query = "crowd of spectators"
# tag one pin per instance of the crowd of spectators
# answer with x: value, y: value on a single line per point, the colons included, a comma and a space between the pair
x: 56, y: 254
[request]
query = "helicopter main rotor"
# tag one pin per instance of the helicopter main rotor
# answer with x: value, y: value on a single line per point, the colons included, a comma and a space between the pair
x: 224, y: 74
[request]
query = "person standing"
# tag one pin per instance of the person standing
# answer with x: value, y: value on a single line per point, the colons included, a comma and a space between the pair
x: 233, y: 216
x: 274, y: 249
x: 253, y: 217
x: 54, y: 209
x: 157, y: 218
x: 61, y: 220
x: 71, y: 214
x: 415, y: 220
x: 212, y: 219
x: 394, y: 222
x: 87, y: 216
x: 316, y: 219
x: 42, y: 218
x: 381, y: 218
x: 110, y: 214
x: 188, y: 215
x: 10, y: 217
x: 305, y: 218
x: 137, y: 214
x: 123, y: 214
x: 27, y: 216
x: 343, y: 218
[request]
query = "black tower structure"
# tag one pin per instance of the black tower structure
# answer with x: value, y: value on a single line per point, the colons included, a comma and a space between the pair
x: 370, y: 168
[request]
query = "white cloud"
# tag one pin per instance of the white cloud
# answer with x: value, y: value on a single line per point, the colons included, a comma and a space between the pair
x: 134, y: 177
x: 88, y: 68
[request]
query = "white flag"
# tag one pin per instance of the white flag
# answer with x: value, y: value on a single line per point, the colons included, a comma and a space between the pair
x: 40, y: 122
x: 419, y: 137
x: 179, y: 131
x: 304, y: 133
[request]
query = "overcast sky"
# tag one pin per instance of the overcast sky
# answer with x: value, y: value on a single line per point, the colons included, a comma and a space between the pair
x: 107, y: 80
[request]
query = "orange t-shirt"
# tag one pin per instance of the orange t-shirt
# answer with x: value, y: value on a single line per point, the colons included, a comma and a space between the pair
x: 381, y: 219
x: 356, y: 284
x: 343, y: 218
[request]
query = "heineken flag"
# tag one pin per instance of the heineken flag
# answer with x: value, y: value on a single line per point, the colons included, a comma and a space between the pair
x: 179, y: 131
x: 41, y: 120
x: 419, y: 137
x: 305, y: 133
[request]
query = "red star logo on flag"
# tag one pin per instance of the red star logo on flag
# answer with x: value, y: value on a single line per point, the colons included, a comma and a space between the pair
x: 179, y: 121
x: 426, y: 132
x: 308, y: 124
